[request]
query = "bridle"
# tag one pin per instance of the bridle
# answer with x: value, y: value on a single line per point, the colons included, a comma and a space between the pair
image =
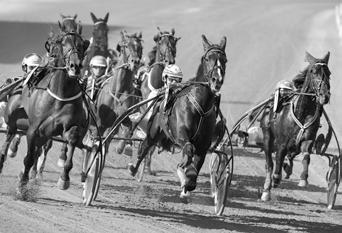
x: 168, y: 49
x: 126, y: 63
x: 67, y: 54
x: 208, y: 75
x: 319, y: 82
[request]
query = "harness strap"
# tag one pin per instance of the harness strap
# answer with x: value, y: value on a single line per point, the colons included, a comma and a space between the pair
x: 200, y: 111
x: 301, y: 126
x: 64, y: 99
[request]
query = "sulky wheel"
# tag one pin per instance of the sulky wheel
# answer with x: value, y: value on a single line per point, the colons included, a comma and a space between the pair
x: 221, y: 171
x: 333, y: 179
x: 102, y: 164
x: 92, y: 182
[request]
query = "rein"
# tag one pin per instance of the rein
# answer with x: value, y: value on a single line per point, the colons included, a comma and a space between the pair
x: 306, y: 125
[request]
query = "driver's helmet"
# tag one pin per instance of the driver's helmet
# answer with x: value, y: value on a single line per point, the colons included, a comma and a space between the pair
x: 30, y: 61
x: 98, y: 61
x: 172, y: 72
x: 284, y: 84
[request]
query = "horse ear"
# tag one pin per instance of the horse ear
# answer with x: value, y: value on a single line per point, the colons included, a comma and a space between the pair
x: 75, y: 16
x: 93, y: 17
x: 106, y: 17
x: 63, y: 17
x: 326, y: 58
x: 156, y: 38
x: 79, y: 29
x: 309, y: 58
x: 178, y: 38
x: 118, y: 47
x: 86, y: 45
x: 223, y: 43
x: 205, y: 43
x: 47, y: 46
x: 61, y: 26
x: 173, y: 31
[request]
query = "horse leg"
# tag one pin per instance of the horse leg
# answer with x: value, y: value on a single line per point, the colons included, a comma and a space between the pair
x: 144, y: 148
x: 12, y: 150
x: 123, y: 146
x: 64, y: 179
x: 28, y: 160
x: 280, y: 156
x: 288, y: 165
x: 187, y: 170
x: 268, y: 142
x: 42, y: 159
x: 148, y: 160
x: 33, y: 173
x: 306, y: 148
x: 63, y: 155
x: 4, y: 149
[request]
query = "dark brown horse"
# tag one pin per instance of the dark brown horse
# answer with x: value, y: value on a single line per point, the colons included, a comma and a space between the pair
x: 16, y: 117
x: 165, y: 53
x: 216, y: 54
x: 99, y: 43
x: 69, y: 24
x: 191, y: 121
x: 116, y: 94
x: 293, y: 129
x: 55, y: 106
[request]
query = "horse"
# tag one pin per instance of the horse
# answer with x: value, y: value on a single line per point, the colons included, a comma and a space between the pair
x: 200, y: 77
x: 165, y: 53
x: 99, y: 42
x: 294, y: 128
x: 190, y: 121
x: 116, y: 96
x: 69, y: 24
x: 55, y: 106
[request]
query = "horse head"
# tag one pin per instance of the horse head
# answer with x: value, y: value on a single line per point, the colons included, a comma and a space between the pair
x: 166, y: 46
x: 67, y: 50
x: 214, y: 63
x: 317, y: 79
x: 130, y: 48
x: 100, y: 30
x: 69, y: 24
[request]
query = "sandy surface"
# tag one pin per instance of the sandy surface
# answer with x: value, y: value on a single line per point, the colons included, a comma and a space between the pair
x: 266, y: 43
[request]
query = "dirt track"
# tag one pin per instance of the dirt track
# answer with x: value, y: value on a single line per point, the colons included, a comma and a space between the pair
x: 266, y: 43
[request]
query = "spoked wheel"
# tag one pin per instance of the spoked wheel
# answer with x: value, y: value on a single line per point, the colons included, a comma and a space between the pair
x: 221, y: 171
x: 333, y: 179
x: 92, y: 182
x: 103, y: 159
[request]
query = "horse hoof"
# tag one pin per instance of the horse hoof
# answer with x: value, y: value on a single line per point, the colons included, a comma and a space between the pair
x: 128, y: 151
x: 266, y: 196
x: 63, y: 185
x: 11, y: 153
x: 329, y: 207
x: 60, y: 162
x: 184, y: 194
x: 303, y: 183
x: 131, y: 169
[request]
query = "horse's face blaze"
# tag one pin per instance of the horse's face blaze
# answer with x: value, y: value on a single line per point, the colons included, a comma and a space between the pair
x: 215, y: 63
x: 73, y: 50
